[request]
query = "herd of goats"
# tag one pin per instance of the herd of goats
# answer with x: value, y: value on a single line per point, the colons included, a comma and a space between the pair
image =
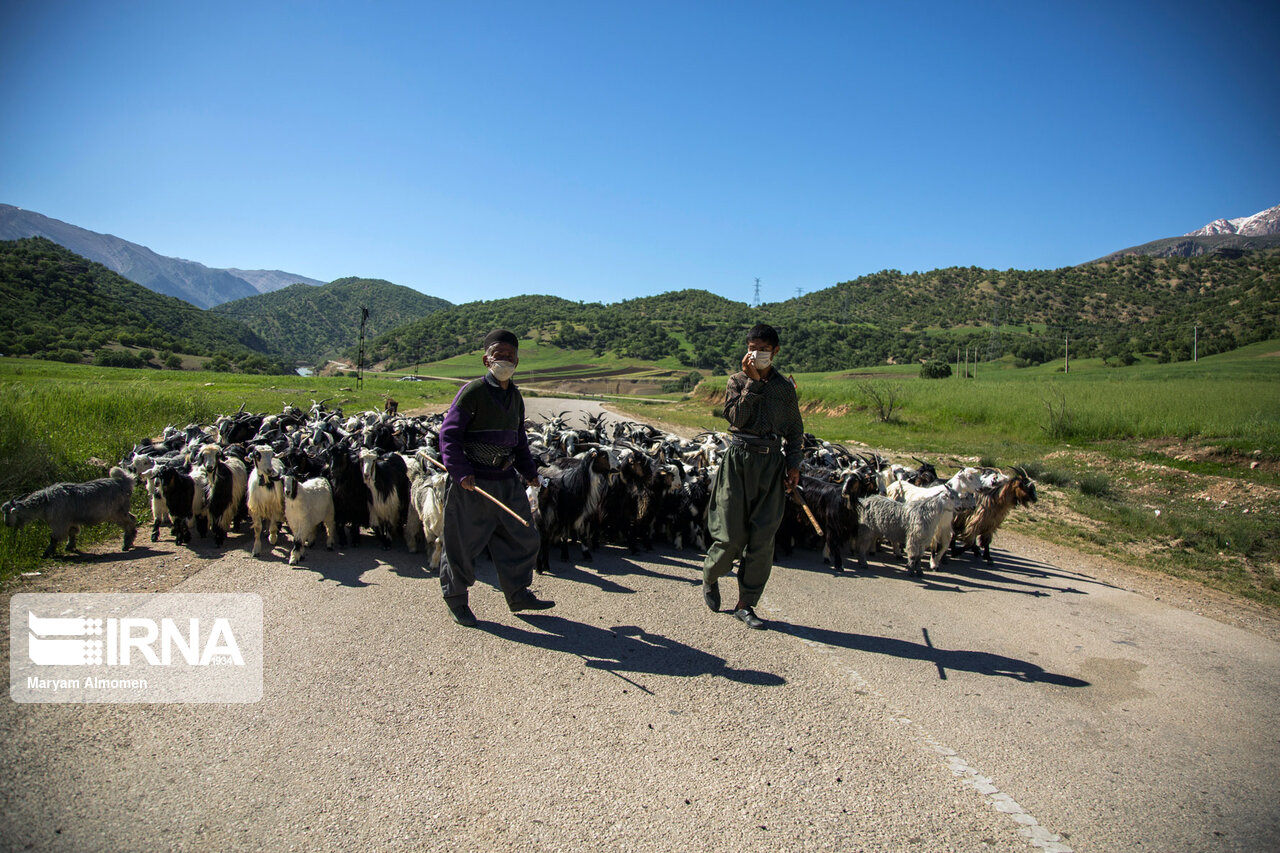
x: 624, y: 483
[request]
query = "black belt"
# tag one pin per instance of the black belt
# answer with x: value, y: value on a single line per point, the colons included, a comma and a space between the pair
x: 756, y: 443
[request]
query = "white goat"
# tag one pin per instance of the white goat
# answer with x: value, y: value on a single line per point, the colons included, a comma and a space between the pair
x: 159, y: 508
x: 426, y: 515
x: 964, y: 483
x: 307, y: 505
x: 266, y: 497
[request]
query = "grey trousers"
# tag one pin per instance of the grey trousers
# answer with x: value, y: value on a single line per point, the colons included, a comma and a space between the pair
x: 747, y: 502
x: 472, y: 524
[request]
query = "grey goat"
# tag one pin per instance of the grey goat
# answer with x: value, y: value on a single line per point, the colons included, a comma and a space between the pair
x: 913, y: 525
x: 67, y: 507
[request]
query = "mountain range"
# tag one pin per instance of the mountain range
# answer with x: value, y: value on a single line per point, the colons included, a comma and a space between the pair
x: 193, y: 282
x: 1227, y: 237
x: 1260, y: 224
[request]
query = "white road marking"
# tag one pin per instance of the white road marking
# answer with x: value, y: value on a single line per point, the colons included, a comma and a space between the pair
x: 1030, y: 828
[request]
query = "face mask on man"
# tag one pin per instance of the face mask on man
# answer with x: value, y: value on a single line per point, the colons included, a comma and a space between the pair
x: 761, y: 359
x: 502, y: 370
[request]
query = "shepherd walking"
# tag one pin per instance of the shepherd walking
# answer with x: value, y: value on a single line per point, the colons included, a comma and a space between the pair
x: 761, y: 465
x: 484, y: 447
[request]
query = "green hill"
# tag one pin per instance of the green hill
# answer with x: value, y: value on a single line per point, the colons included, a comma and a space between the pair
x: 312, y: 323
x: 1117, y: 309
x: 54, y: 304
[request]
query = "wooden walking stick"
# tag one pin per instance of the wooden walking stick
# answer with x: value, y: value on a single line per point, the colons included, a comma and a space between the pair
x: 798, y: 497
x: 499, y: 504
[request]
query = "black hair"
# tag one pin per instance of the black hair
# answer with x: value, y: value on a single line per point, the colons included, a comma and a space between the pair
x: 763, y: 332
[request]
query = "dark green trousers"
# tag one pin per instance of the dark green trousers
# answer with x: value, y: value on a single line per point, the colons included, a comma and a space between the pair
x: 747, y: 502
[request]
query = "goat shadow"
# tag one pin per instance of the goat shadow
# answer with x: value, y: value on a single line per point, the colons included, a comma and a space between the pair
x: 981, y: 663
x: 626, y: 649
x: 1010, y: 574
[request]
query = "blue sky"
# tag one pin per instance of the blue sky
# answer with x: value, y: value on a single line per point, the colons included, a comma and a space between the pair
x: 607, y: 150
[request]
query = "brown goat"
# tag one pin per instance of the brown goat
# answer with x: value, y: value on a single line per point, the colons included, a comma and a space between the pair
x: 976, y: 528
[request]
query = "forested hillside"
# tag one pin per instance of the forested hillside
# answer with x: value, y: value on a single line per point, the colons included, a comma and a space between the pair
x: 56, y: 305
x: 1117, y: 308
x: 311, y: 323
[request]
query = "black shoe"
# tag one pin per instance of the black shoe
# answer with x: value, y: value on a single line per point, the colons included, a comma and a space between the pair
x: 463, y: 616
x: 747, y: 615
x: 711, y: 595
x: 529, y: 601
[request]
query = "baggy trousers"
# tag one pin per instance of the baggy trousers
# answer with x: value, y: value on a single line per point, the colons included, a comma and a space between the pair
x: 472, y: 523
x: 747, y: 502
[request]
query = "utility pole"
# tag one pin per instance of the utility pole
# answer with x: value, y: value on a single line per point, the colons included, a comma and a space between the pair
x: 799, y: 292
x: 1195, y: 344
x: 755, y: 302
x: 1066, y: 353
x: 364, y: 318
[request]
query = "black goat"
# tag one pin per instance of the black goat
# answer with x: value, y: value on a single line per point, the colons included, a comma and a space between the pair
x: 836, y: 508
x: 387, y: 477
x: 351, y: 496
x: 570, y: 501
x: 179, y: 492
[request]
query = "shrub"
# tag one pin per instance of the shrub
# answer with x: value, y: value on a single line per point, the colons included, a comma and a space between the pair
x: 116, y: 358
x: 935, y: 370
x: 1095, y: 484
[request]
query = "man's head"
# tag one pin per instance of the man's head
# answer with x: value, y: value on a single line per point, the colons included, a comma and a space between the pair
x: 501, y: 345
x: 763, y: 338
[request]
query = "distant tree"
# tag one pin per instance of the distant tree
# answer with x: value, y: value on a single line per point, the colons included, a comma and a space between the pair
x: 116, y: 358
x: 935, y: 370
x: 173, y: 362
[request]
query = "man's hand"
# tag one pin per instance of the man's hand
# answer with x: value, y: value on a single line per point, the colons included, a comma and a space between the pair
x: 793, y: 478
x: 749, y: 367
x: 468, y: 482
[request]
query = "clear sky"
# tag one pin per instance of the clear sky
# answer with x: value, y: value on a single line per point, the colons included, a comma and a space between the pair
x: 607, y: 150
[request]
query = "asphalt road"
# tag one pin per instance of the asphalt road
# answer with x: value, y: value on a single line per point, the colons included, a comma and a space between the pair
x: 1050, y: 702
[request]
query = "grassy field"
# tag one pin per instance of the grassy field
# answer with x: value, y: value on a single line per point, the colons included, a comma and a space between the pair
x: 1172, y: 467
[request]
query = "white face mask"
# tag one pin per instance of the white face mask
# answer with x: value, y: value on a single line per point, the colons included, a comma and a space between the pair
x: 502, y: 370
x: 761, y: 359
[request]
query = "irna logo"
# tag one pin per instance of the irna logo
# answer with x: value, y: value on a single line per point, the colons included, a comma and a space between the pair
x: 145, y: 648
x: 80, y: 641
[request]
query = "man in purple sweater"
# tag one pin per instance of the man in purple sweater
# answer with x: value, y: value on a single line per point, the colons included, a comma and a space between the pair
x: 484, y: 447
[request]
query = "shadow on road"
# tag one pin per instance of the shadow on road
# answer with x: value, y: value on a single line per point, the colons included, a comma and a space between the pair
x: 626, y: 649
x: 1010, y: 574
x: 982, y: 663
